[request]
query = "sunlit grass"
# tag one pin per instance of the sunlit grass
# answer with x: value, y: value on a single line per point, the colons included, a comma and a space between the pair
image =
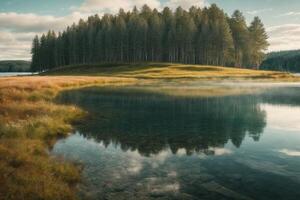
x: 29, y: 123
x: 173, y: 71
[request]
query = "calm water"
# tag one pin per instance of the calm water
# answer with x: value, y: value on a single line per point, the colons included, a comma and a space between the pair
x: 7, y: 74
x: 146, y: 145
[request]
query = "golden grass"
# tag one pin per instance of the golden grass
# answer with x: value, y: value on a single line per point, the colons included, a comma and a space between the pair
x: 29, y: 122
x: 173, y: 71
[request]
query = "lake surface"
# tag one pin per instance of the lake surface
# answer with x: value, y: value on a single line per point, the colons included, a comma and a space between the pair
x: 144, y: 144
x: 7, y: 74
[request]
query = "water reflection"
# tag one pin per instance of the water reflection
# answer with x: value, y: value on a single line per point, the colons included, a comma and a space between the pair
x: 150, y: 122
x: 147, y: 145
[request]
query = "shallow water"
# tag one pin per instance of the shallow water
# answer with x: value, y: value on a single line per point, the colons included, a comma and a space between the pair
x: 141, y: 144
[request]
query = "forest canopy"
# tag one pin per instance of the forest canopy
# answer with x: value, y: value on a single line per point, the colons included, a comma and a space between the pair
x: 205, y: 36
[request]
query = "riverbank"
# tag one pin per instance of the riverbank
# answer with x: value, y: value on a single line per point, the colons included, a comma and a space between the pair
x: 30, y: 122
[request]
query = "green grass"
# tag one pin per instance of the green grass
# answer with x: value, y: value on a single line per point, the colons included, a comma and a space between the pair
x: 171, y: 71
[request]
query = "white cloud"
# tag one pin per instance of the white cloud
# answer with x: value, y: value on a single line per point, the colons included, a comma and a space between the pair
x: 112, y: 6
x: 19, y: 22
x: 186, y: 4
x: 15, y: 45
x: 284, y: 37
x: 18, y: 29
x: 288, y: 14
x: 255, y: 12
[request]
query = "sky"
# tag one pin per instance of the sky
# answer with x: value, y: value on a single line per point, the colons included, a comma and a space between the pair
x: 20, y: 20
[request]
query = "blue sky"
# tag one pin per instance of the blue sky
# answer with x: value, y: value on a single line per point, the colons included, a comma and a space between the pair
x: 20, y: 20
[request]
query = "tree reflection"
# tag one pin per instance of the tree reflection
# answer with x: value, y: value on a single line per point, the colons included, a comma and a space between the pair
x: 282, y: 96
x: 151, y: 122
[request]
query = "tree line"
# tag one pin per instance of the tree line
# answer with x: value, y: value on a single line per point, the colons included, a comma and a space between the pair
x: 195, y: 36
x: 14, y: 66
x: 282, y: 61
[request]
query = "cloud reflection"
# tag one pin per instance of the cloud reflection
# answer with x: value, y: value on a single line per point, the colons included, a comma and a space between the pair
x: 288, y: 152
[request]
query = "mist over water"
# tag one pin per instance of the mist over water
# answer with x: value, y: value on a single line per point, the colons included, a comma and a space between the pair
x: 140, y: 143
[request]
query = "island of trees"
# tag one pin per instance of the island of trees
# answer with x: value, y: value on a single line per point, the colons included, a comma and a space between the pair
x: 205, y: 36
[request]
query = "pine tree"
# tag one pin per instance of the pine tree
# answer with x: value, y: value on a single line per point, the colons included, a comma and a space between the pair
x: 35, y: 50
x: 168, y: 35
x: 154, y: 39
x: 240, y: 35
x: 119, y: 34
x: 43, y: 57
x: 258, y: 42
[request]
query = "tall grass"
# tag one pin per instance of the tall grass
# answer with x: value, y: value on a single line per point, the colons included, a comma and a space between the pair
x: 29, y: 123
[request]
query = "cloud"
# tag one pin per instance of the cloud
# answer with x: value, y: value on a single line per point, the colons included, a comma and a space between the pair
x: 278, y: 117
x: 284, y: 37
x: 256, y: 12
x: 220, y: 151
x: 18, y: 29
x: 112, y: 6
x: 288, y: 14
x: 14, y: 46
x: 185, y: 4
x: 289, y: 152
x: 19, y: 22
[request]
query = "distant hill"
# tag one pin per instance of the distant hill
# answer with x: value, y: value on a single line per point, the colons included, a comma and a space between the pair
x: 282, y: 61
x: 14, y: 66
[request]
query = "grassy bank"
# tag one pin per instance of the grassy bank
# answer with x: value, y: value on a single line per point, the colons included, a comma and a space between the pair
x: 172, y: 71
x: 29, y: 124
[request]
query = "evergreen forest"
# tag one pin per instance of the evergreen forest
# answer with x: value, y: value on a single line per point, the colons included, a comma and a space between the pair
x: 206, y: 36
x: 288, y: 61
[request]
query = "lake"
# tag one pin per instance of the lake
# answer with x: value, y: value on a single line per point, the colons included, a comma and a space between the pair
x: 8, y: 74
x: 138, y: 143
